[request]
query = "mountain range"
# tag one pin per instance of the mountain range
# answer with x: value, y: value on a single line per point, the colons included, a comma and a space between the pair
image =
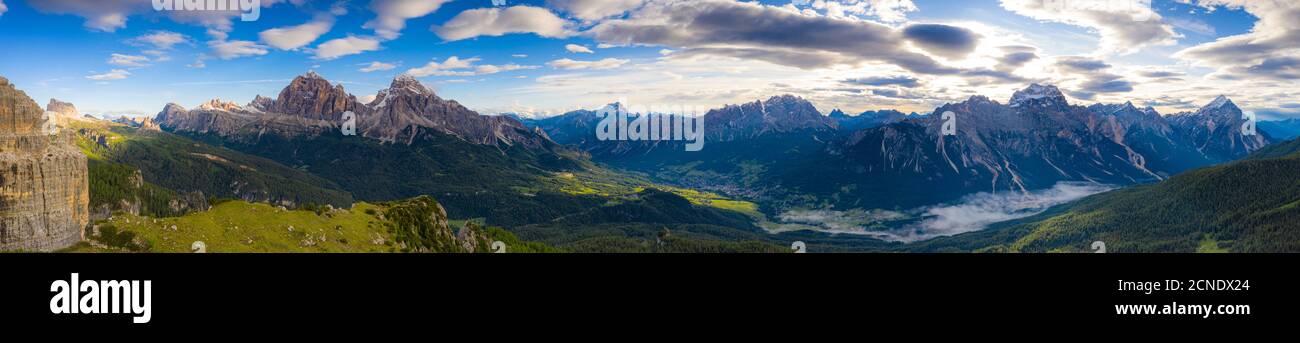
x: 784, y: 153
x: 1281, y: 129
x: 311, y: 106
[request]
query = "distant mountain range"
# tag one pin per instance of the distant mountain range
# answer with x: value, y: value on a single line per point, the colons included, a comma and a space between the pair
x: 784, y: 153
x: 1281, y: 129
x: 869, y: 119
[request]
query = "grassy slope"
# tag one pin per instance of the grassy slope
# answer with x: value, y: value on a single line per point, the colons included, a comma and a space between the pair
x: 237, y: 226
x: 171, y: 164
x: 242, y: 227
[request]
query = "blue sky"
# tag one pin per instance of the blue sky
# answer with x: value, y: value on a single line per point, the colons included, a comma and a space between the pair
x: 545, y: 57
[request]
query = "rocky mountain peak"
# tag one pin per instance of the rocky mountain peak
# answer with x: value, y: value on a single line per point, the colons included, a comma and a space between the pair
x: 62, y: 108
x: 1219, y: 103
x: 313, y: 97
x: 406, y: 83
x: 18, y: 113
x: 1037, y: 95
x: 838, y: 114
x: 785, y: 99
x: 261, y: 103
x: 218, y: 104
x: 779, y: 114
x: 977, y: 99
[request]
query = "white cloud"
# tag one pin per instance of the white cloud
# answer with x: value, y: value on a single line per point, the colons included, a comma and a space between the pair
x: 973, y: 213
x: 345, y: 46
x: 377, y: 66
x: 226, y: 50
x: 781, y: 36
x: 1271, y: 50
x: 519, y: 56
x: 128, y: 60
x: 578, y: 49
x: 442, y: 69
x: 497, y: 22
x: 293, y: 37
x: 102, y: 15
x: 889, y: 11
x: 1126, y: 26
x: 3, y: 8
x: 391, y: 15
x: 595, y: 9
x: 568, y: 64
x: 162, y: 40
x: 493, y: 69
x: 455, y: 66
x: 115, y: 74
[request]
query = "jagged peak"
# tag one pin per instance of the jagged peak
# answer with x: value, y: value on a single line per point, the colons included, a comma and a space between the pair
x: 311, y: 74
x: 837, y: 113
x: 1037, y: 92
x: 1218, y: 103
x: 218, y: 104
x: 784, y: 98
x: 409, y: 82
x: 61, y: 107
x: 405, y: 77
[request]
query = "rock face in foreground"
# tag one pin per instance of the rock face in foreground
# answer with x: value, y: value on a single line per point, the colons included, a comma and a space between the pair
x: 44, y: 196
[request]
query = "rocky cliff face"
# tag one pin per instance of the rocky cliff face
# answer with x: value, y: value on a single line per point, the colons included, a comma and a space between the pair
x: 44, y: 196
x: 407, y: 105
x: 313, y: 97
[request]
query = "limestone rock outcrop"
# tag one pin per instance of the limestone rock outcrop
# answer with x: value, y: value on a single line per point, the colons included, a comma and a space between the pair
x: 44, y: 195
